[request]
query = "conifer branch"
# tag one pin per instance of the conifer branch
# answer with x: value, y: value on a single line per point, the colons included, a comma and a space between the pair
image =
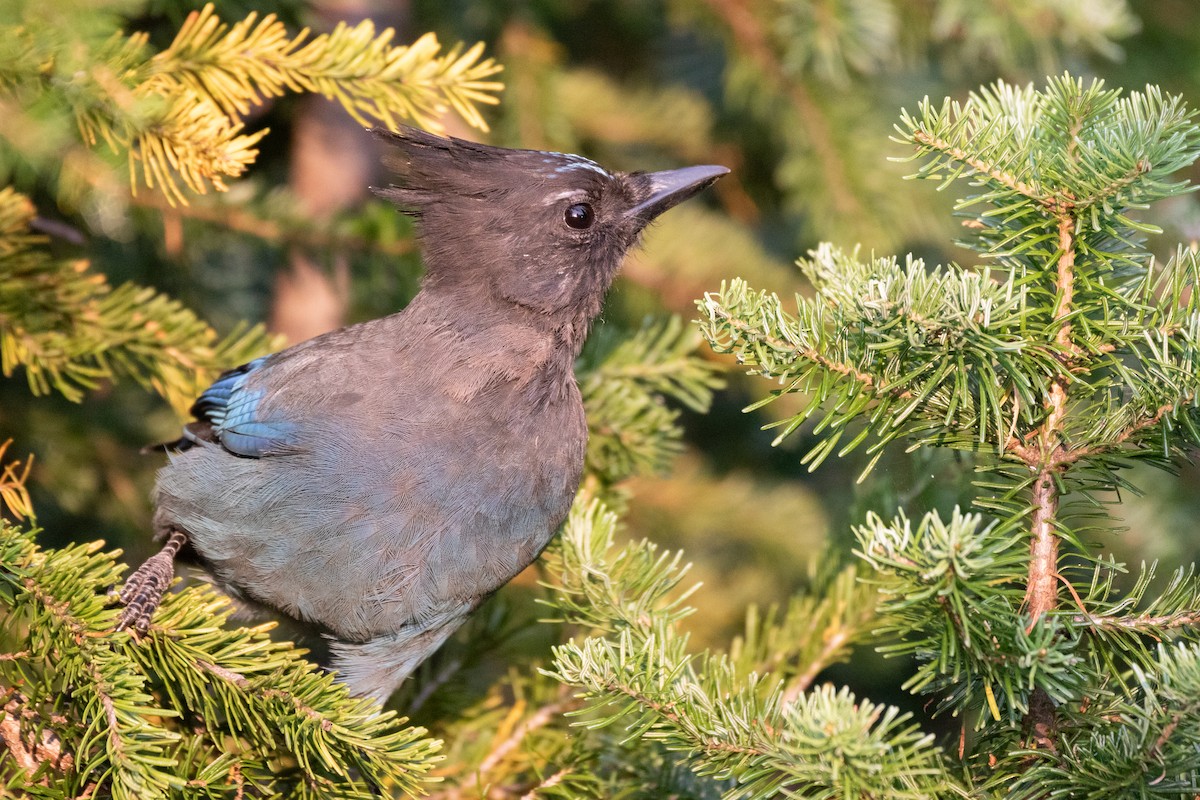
x: 69, y: 330
x: 30, y: 742
x: 1129, y: 623
x: 742, y: 329
x: 504, y: 745
x: 550, y: 782
x: 637, y: 671
x: 625, y: 388
x: 1041, y: 589
x: 267, y: 705
x: 835, y: 641
x: 14, y: 493
x: 1065, y: 303
x: 179, y: 114
x: 1150, y: 625
x: 819, y: 628
x: 871, y: 346
x: 540, y: 718
x: 1126, y: 434
x: 237, y: 66
x: 1144, y: 745
x: 1116, y: 355
x: 997, y: 174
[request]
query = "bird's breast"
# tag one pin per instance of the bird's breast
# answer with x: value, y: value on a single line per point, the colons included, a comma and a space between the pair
x: 405, y: 497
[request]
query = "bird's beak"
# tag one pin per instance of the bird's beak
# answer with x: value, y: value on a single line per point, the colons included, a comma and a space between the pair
x: 672, y: 187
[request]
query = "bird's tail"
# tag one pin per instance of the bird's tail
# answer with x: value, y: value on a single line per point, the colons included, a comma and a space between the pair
x: 377, y: 667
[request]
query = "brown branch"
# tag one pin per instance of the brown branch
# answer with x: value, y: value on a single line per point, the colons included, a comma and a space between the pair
x: 553, y: 780
x: 1025, y: 452
x: 1069, y: 456
x: 237, y: 220
x: 10, y: 733
x: 1066, y: 279
x: 430, y: 686
x: 833, y: 643
x: 1180, y: 619
x: 59, y: 608
x: 325, y: 723
x: 110, y: 712
x: 243, y: 683
x: 1006, y: 179
x: 811, y: 355
x: 1062, y: 457
x: 1041, y: 723
x: 1041, y: 589
x: 1062, y: 205
x: 1139, y: 169
x: 752, y: 40
x: 668, y: 712
x: 1170, y: 727
x: 236, y: 678
x: 31, y: 750
x: 539, y: 719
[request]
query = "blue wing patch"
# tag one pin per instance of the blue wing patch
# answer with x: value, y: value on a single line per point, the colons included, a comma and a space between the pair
x: 233, y: 411
x: 213, y: 401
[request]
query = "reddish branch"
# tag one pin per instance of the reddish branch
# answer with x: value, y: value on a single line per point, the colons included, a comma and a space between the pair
x: 1061, y: 457
x: 809, y: 354
x: 1042, y: 450
x: 710, y: 743
x: 28, y: 741
x: 553, y: 780
x: 482, y: 783
x: 753, y: 39
x: 1006, y: 179
x: 1041, y: 592
x: 835, y: 640
x: 539, y: 719
x: 1059, y: 204
x: 1142, y: 624
x: 1066, y: 279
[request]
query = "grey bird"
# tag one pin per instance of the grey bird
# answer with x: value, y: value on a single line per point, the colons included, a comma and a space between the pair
x: 382, y: 480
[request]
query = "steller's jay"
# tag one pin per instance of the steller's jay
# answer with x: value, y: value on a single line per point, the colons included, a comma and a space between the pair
x: 382, y: 480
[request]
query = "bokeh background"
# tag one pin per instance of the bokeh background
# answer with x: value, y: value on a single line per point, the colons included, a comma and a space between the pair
x: 797, y: 97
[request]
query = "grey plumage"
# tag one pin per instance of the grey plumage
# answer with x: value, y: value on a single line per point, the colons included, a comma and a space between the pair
x: 382, y: 480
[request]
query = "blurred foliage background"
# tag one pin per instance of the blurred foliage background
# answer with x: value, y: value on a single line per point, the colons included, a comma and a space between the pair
x: 797, y: 97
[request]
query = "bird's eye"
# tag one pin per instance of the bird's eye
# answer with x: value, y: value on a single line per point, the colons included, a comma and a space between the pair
x: 579, y: 216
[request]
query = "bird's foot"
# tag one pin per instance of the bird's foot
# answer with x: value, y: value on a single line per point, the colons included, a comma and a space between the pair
x: 144, y: 589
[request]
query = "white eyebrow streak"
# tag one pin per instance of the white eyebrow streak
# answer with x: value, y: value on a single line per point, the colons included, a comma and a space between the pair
x: 565, y: 195
x: 583, y: 164
x: 574, y: 162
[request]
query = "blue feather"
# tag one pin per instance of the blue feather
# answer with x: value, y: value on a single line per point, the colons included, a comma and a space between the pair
x: 212, y: 403
x: 233, y: 411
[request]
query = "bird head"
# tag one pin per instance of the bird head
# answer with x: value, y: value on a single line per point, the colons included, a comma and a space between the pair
x: 542, y: 231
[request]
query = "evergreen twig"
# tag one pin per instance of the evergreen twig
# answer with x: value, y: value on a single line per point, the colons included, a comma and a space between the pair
x: 1070, y: 357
